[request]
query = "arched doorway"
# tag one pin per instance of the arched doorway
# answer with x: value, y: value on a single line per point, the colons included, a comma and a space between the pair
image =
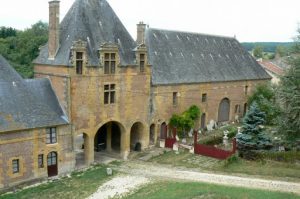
x: 152, y: 134
x: 224, y: 108
x: 108, y: 138
x: 245, y: 109
x: 136, y: 136
x: 163, y: 131
x: 52, y: 164
x: 203, y: 120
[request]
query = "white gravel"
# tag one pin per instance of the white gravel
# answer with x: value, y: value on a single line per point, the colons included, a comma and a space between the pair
x: 160, y: 171
x: 119, y: 186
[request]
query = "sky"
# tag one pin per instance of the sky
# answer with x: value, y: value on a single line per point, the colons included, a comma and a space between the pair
x: 248, y: 20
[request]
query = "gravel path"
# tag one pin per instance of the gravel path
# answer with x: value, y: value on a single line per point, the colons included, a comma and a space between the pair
x: 119, y: 186
x: 149, y: 170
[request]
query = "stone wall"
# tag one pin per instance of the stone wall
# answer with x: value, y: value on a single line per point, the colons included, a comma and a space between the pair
x: 26, y: 146
x: 191, y: 94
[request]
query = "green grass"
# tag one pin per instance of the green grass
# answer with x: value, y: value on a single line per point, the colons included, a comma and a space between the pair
x: 195, y: 190
x: 265, y: 169
x: 80, y: 185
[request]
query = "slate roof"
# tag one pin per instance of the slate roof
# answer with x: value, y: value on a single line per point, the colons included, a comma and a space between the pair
x: 95, y: 22
x: 26, y: 104
x: 183, y: 57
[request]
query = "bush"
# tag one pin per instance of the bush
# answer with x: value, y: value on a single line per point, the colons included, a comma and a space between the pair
x: 213, y: 139
x: 232, y: 159
x: 282, y: 156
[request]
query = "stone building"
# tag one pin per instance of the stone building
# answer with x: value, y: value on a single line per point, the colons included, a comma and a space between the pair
x: 35, y: 135
x: 118, y: 94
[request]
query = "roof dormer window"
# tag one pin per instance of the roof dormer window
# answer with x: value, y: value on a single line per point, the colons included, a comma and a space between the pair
x: 109, y: 63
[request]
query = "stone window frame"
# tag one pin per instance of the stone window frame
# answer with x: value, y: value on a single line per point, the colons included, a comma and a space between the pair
x: 204, y: 97
x: 109, y: 63
x: 79, y: 59
x: 142, y: 62
x: 175, y: 99
x: 51, y: 135
x: 237, y: 108
x: 109, y: 93
x: 41, y: 161
x: 15, y: 166
x: 246, y: 89
x: 11, y: 172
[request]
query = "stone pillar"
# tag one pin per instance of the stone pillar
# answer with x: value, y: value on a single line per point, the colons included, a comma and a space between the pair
x: 108, y: 137
x: 88, y: 149
x: 141, y: 29
x: 53, y: 42
x: 125, y: 144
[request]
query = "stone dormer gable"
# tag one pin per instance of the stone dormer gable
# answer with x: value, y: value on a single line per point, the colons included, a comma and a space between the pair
x: 93, y: 22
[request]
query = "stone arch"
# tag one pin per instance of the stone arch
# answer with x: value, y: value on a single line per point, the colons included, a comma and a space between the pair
x: 152, y: 134
x: 137, y: 134
x: 224, y: 110
x: 108, y: 137
x: 52, y: 167
x: 245, y: 109
x: 163, y: 130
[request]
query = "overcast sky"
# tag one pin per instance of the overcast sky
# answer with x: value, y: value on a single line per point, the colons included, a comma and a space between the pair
x: 249, y: 20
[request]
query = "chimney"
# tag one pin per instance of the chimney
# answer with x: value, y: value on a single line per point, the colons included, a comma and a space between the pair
x: 53, y: 42
x: 141, y: 28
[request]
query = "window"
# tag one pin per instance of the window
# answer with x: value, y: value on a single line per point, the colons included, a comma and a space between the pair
x: 142, y: 62
x: 175, y: 101
x: 41, y: 160
x: 246, y: 90
x: 109, y: 93
x: 51, y: 135
x: 79, y: 62
x: 237, y: 108
x: 109, y: 63
x: 15, y: 166
x: 51, y: 159
x: 204, y: 97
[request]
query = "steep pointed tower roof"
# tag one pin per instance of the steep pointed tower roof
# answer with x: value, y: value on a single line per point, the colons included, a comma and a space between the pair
x: 95, y: 22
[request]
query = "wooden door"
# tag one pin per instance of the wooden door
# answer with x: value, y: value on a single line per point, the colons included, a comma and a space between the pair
x: 52, y: 164
x: 224, y: 109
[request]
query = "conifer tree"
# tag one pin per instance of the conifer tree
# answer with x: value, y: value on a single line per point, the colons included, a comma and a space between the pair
x: 253, y: 137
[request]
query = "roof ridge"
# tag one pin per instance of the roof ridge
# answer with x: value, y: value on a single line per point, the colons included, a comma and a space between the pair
x: 190, y: 32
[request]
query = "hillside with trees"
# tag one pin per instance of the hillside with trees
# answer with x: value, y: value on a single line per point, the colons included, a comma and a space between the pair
x: 266, y: 46
x: 20, y: 48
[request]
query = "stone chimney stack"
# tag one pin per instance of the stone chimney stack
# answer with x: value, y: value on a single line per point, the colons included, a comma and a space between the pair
x: 141, y: 28
x: 53, y: 42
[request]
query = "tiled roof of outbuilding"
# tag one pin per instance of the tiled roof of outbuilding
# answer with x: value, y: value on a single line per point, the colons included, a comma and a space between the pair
x: 95, y: 22
x: 26, y: 104
x: 183, y: 57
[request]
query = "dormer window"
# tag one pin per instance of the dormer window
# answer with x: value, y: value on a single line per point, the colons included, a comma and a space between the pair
x: 79, y: 62
x: 142, y: 62
x: 109, y: 63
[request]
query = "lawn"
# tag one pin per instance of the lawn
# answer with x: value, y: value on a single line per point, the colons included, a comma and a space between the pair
x: 80, y: 185
x: 195, y: 190
x: 266, y: 169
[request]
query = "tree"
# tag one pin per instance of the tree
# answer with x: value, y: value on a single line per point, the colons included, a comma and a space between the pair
x: 290, y: 96
x: 186, y: 120
x: 253, y: 136
x: 258, y: 51
x: 264, y: 96
x: 20, y: 48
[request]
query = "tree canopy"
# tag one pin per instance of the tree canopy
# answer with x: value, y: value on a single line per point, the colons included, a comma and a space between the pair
x: 186, y: 120
x: 290, y: 96
x: 20, y: 48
